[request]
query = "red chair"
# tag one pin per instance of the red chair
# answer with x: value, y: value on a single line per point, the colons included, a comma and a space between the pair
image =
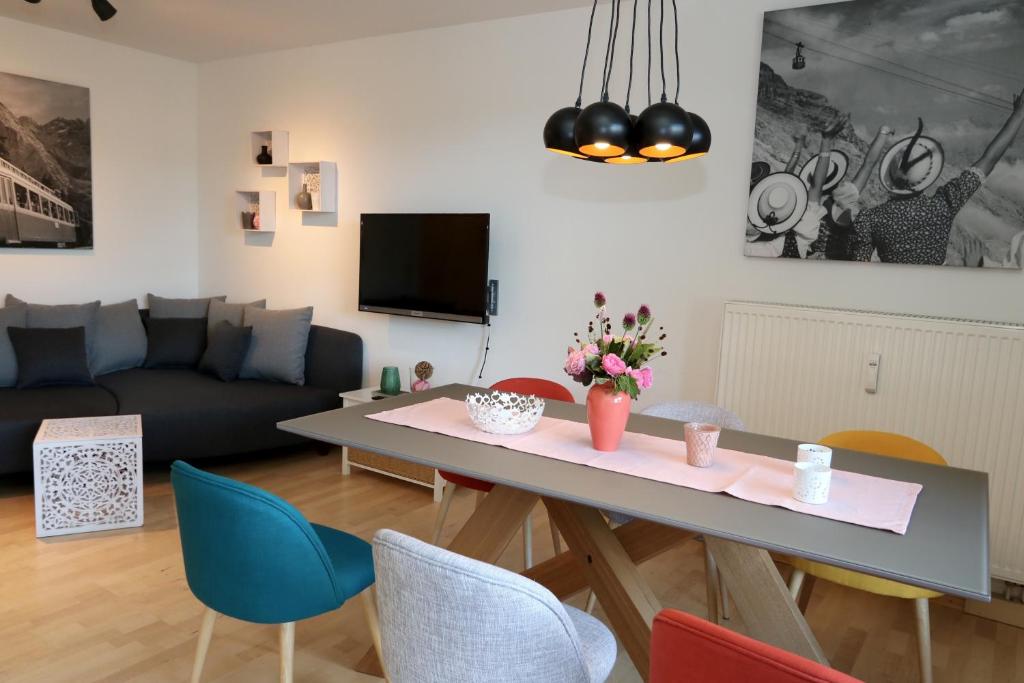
x: 543, y: 388
x: 686, y: 649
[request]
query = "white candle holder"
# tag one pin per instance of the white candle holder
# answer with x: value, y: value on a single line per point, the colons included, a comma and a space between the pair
x: 811, y: 482
x: 812, y: 452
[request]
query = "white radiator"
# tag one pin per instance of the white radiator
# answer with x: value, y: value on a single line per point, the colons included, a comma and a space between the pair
x: 958, y: 385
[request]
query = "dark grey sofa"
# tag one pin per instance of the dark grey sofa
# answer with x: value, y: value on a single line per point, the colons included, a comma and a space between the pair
x: 186, y: 414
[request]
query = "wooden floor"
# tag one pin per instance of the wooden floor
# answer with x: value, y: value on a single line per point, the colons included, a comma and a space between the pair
x: 114, y: 606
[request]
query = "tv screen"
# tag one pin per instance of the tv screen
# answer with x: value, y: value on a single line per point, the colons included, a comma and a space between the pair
x: 425, y: 265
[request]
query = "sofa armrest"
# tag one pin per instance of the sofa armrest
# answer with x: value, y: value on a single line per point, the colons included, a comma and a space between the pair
x: 334, y: 359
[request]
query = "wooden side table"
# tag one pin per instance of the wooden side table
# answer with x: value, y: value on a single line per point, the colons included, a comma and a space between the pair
x: 421, y: 475
x: 88, y: 474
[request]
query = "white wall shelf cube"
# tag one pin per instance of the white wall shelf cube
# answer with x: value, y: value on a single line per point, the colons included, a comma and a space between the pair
x: 321, y: 180
x: 276, y: 142
x: 265, y: 204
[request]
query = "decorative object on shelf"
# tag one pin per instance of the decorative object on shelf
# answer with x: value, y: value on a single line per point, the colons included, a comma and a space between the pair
x: 247, y: 220
x: 390, y: 381
x: 45, y: 166
x: 424, y: 371
x: 103, y: 9
x: 304, y: 200
x: 269, y: 148
x: 258, y: 209
x: 701, y: 443
x: 313, y: 186
x: 256, y: 220
x: 501, y: 412
x: 264, y: 158
x: 617, y: 366
x: 606, y: 131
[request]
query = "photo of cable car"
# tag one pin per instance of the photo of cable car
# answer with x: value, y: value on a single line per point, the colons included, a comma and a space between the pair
x: 45, y: 165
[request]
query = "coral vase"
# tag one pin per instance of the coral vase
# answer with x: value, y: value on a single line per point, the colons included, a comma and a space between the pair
x: 607, y: 414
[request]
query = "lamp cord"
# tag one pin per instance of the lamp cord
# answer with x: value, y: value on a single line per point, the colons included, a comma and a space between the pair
x: 675, y: 15
x: 649, y: 53
x: 661, y: 48
x: 586, y: 55
x: 614, y: 38
x: 607, y: 55
x: 632, y: 44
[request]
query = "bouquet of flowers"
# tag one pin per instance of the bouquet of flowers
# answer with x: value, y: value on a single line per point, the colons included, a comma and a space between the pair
x: 620, y: 360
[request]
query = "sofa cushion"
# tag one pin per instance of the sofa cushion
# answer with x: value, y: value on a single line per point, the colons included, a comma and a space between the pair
x: 231, y: 313
x: 42, y: 316
x: 22, y: 411
x: 279, y: 341
x: 50, y: 357
x: 186, y: 414
x: 225, y: 351
x: 120, y: 338
x: 160, y: 307
x: 175, y: 342
x: 11, y: 316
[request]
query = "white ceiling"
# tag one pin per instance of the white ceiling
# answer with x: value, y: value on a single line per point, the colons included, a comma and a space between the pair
x: 205, y: 30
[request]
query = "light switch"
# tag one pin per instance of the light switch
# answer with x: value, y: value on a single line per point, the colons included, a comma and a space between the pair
x: 871, y: 362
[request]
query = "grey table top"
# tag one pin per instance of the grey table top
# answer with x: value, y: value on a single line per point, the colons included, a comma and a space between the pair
x: 944, y: 549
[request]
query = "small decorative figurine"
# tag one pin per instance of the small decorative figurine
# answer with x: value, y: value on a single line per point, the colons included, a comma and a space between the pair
x: 424, y: 371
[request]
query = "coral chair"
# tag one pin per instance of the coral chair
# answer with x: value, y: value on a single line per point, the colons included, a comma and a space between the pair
x: 252, y: 556
x: 542, y: 388
x: 687, y: 649
x: 892, y: 446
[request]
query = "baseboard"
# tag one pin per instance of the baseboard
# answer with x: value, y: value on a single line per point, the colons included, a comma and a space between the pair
x: 1003, y: 611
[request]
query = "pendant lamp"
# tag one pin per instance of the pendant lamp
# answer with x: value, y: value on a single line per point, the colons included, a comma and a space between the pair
x: 664, y: 130
x: 560, y: 132
x: 700, y: 144
x: 631, y: 155
x: 602, y: 129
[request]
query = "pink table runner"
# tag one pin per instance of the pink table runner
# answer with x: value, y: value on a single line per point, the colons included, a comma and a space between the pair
x: 854, y: 498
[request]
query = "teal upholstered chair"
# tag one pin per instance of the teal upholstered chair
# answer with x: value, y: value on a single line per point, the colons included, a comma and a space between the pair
x: 252, y: 556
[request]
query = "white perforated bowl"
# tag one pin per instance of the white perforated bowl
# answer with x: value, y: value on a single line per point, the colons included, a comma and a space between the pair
x: 501, y: 412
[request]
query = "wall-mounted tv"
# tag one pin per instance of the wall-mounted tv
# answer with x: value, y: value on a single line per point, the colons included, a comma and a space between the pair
x: 425, y: 265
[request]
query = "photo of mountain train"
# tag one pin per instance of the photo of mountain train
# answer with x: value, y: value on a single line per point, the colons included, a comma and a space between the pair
x: 45, y: 165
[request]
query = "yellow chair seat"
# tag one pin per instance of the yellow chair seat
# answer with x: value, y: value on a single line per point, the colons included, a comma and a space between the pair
x: 888, y: 445
x: 864, y: 582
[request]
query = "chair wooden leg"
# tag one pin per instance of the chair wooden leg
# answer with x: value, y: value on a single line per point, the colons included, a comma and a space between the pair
x: 805, y: 594
x: 591, y: 602
x: 287, y: 652
x: 796, y: 582
x: 556, y: 540
x: 723, y: 590
x: 368, y: 598
x: 442, y: 513
x: 712, y: 582
x: 924, y: 639
x: 528, y: 541
x: 205, y: 633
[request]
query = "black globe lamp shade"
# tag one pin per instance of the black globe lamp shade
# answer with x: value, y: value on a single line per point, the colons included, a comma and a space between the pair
x: 560, y: 132
x: 664, y: 131
x: 701, y: 142
x: 602, y: 130
x: 632, y: 154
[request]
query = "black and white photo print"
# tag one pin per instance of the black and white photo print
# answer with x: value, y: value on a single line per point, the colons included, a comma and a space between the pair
x: 890, y: 131
x: 45, y: 165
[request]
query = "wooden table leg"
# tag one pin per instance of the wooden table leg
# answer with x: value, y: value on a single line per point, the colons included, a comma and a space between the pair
x: 627, y: 600
x: 484, y: 537
x: 763, y: 599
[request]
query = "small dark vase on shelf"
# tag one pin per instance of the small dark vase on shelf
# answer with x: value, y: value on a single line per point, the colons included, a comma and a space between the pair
x: 304, y: 200
x: 264, y: 158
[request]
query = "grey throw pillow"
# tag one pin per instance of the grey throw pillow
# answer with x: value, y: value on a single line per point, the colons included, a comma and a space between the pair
x: 160, y: 307
x: 11, y: 316
x: 120, y: 339
x: 62, y: 316
x: 278, y: 348
x: 221, y: 312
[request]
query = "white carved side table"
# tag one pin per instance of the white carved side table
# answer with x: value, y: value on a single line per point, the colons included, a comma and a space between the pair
x: 88, y: 474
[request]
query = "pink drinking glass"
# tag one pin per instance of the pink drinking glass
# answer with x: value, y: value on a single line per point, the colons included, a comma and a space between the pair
x: 701, y: 443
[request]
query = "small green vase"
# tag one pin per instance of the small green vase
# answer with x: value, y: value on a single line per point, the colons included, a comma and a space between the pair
x: 390, y: 381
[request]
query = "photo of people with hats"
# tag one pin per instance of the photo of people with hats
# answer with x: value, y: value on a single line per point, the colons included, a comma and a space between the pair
x: 890, y: 131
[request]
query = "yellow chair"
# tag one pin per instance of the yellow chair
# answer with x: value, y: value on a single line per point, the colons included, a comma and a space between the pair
x: 892, y: 446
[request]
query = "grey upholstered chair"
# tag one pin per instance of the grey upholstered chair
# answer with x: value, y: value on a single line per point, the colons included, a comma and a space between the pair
x: 691, y: 411
x: 448, y: 619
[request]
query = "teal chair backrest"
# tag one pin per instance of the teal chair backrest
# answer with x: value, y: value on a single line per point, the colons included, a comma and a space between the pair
x: 249, y: 554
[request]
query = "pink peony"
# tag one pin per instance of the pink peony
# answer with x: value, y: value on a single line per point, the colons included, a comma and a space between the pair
x: 576, y: 363
x: 644, y: 377
x: 607, y: 339
x: 613, y: 365
x: 591, y: 350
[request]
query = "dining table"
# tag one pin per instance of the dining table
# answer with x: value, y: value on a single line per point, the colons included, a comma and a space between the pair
x: 945, y: 547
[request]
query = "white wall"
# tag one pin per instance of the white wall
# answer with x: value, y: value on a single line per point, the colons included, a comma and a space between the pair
x: 143, y: 164
x: 450, y: 120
